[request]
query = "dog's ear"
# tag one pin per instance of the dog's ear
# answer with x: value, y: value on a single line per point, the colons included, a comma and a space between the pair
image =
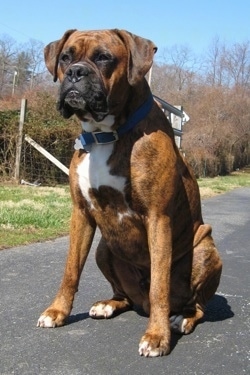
x: 141, y: 53
x: 52, y: 52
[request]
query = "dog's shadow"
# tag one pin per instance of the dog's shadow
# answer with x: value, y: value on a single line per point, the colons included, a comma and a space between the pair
x: 217, y: 310
x: 77, y: 318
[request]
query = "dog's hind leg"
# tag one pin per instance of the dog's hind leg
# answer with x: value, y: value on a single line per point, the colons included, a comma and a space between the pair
x: 206, y: 272
x: 120, y: 302
x: 130, y: 285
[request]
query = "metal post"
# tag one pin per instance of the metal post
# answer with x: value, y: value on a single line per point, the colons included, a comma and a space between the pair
x: 20, y: 138
x: 14, y: 82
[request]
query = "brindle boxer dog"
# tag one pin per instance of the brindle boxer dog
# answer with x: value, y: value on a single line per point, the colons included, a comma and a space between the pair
x: 129, y: 179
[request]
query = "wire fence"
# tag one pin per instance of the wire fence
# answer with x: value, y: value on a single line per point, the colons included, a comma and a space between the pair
x: 57, y: 140
x: 36, y: 168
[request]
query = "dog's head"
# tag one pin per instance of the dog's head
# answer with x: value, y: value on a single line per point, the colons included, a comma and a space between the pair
x: 97, y: 70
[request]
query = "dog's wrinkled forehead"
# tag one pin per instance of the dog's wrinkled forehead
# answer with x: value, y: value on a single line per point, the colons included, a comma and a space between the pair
x: 90, y: 38
x: 76, y: 45
x: 85, y: 43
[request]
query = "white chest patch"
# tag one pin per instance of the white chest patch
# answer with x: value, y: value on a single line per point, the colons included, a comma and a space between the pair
x: 93, y: 171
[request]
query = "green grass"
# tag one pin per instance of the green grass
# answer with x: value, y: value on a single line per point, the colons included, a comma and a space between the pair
x: 222, y: 184
x: 31, y: 214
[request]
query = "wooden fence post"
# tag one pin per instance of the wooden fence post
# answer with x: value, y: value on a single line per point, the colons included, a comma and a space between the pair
x: 46, y: 154
x: 20, y: 138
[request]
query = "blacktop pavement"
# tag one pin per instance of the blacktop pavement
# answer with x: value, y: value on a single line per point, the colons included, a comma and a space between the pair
x: 30, y: 276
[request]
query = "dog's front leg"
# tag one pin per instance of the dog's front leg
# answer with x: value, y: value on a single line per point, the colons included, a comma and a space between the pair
x: 156, y: 340
x: 82, y: 231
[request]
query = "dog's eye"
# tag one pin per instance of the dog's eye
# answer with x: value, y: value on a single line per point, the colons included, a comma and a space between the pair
x: 103, y: 57
x: 65, y: 58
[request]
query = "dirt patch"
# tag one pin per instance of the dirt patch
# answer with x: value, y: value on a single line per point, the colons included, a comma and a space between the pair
x: 207, y: 192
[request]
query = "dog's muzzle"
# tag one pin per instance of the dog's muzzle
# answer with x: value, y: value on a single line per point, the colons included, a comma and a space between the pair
x: 76, y: 72
x: 82, y: 92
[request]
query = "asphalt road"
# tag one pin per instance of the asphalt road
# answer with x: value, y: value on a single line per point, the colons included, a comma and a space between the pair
x: 30, y: 276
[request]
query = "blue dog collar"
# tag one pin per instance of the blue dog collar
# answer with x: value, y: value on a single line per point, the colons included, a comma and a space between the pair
x: 86, y: 139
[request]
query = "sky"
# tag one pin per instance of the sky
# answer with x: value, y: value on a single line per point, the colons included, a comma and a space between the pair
x: 192, y: 23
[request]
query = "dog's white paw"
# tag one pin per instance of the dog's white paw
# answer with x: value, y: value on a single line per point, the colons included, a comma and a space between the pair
x: 101, y: 310
x: 46, y: 322
x: 178, y: 323
x: 146, y: 350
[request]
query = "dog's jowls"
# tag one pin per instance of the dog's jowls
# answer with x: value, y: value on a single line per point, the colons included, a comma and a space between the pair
x: 155, y: 250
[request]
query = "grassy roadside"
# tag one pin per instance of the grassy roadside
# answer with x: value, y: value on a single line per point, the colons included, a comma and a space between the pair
x: 32, y: 214
x: 221, y: 184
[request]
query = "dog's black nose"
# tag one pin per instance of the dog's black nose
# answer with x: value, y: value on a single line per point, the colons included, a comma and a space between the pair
x: 76, y: 72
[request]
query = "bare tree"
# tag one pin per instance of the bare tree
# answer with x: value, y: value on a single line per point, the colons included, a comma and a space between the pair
x: 181, y: 64
x: 21, y: 63
x: 37, y: 67
x: 227, y: 65
x: 21, y: 66
x: 7, y: 71
x: 237, y: 64
x: 214, y: 65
